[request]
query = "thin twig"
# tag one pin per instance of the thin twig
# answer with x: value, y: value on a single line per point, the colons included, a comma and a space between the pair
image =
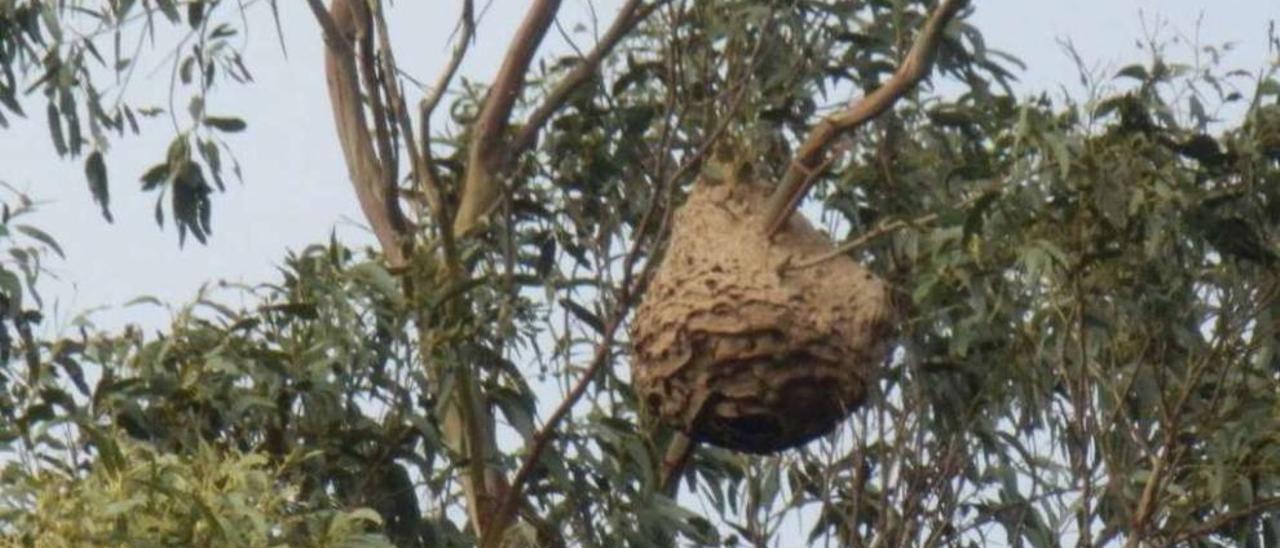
x: 426, y: 108
x: 368, y: 66
x: 917, y: 64
x: 886, y: 228
x: 714, y: 138
x: 547, y: 432
x: 543, y: 437
x: 628, y: 17
x: 391, y: 86
x: 1226, y: 518
x: 1168, y: 456
x: 432, y: 100
x: 626, y: 293
x: 866, y: 237
x: 1146, y: 504
x: 419, y: 162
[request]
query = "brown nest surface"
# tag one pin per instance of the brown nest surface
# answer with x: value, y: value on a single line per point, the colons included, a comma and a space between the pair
x: 737, y: 346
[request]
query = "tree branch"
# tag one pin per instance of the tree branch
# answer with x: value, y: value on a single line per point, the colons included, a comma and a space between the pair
x: 1147, y: 505
x: 628, y: 17
x: 330, y: 28
x: 801, y: 173
x: 481, y: 190
x: 378, y: 199
x: 511, y: 499
x: 630, y: 288
x: 673, y: 463
x: 430, y: 177
x: 468, y: 23
x: 419, y: 161
x: 493, y: 534
x: 1221, y: 520
x: 368, y: 65
x: 888, y: 227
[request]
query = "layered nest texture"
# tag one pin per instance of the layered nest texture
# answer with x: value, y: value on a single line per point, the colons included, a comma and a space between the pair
x: 739, y: 343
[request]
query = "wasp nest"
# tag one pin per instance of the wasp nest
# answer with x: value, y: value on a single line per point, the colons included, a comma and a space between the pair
x: 739, y: 343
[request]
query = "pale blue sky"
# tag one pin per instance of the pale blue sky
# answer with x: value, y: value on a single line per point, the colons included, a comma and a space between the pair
x: 295, y: 189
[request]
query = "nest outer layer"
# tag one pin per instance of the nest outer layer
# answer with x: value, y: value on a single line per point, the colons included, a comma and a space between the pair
x: 736, y: 347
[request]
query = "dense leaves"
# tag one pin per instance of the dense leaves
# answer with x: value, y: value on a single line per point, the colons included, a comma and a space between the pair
x: 135, y: 495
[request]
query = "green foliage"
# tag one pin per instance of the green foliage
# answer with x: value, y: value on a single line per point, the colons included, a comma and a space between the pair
x: 315, y: 380
x: 137, y: 496
x: 58, y: 48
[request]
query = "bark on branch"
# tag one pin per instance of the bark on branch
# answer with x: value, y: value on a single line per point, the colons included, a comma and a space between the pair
x: 809, y: 158
x: 674, y: 461
x: 348, y: 32
x: 628, y: 17
x: 481, y: 190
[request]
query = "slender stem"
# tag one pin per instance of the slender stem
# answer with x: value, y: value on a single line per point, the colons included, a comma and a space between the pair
x: 368, y: 66
x: 538, y: 445
x: 1146, y: 505
x: 468, y: 24
x: 625, y: 296
x: 630, y: 288
x: 1210, y: 526
x: 885, y: 228
x: 429, y: 103
x: 862, y: 240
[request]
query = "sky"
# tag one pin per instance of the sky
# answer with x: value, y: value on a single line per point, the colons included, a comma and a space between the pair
x: 295, y: 189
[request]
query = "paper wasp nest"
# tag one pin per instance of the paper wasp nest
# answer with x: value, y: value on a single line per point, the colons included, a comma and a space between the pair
x: 737, y: 347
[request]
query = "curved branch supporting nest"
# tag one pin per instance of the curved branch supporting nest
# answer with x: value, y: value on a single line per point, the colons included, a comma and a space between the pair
x: 810, y: 159
x: 736, y: 347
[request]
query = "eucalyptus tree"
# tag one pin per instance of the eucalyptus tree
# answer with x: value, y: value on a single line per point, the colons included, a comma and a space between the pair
x: 1085, y: 348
